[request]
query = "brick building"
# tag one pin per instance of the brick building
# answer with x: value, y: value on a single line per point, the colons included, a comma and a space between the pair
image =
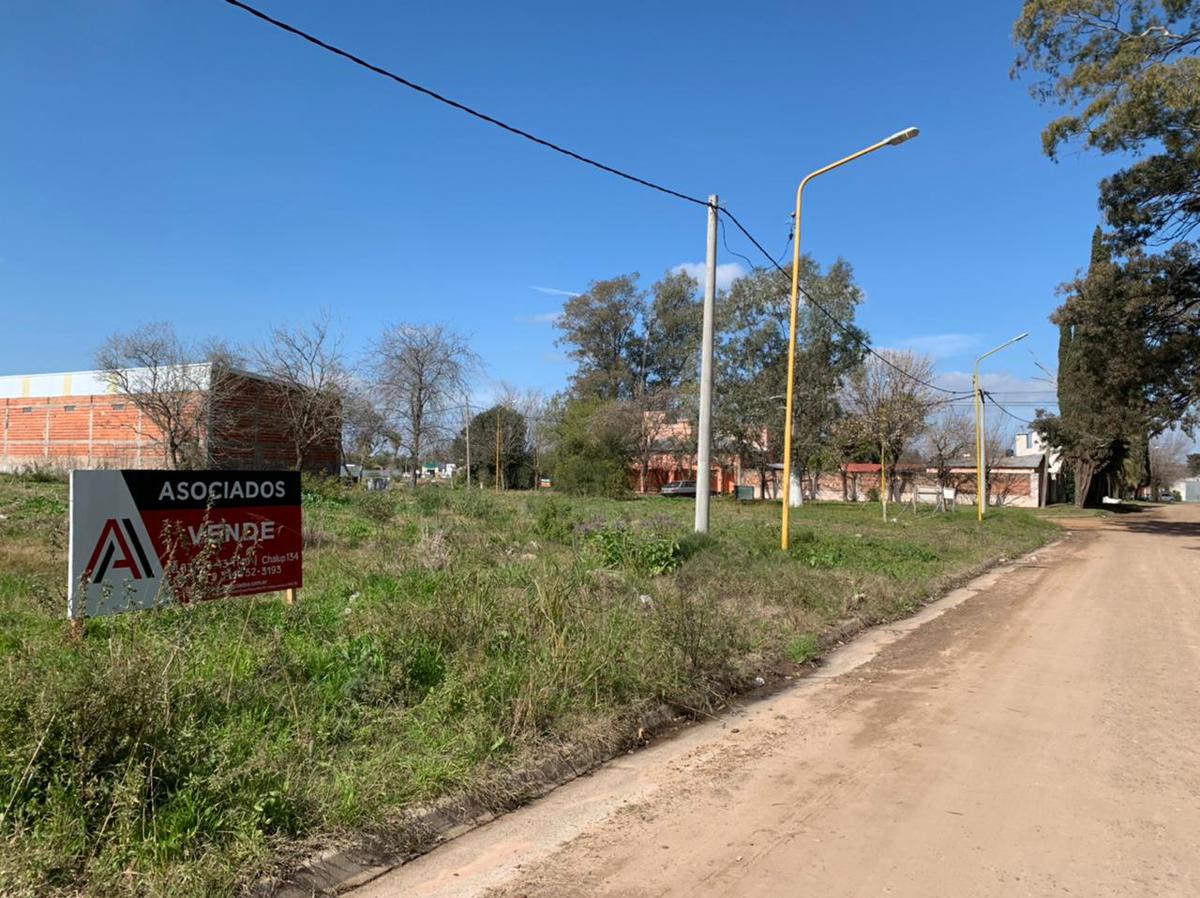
x: 80, y: 420
x: 1027, y: 477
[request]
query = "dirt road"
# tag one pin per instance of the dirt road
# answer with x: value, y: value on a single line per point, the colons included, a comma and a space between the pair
x: 1039, y: 737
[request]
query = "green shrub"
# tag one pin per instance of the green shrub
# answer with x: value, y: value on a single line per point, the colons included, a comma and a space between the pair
x: 320, y: 491
x: 593, y: 446
x: 429, y: 499
x: 378, y: 505
x: 645, y: 550
x: 803, y: 648
x: 553, y: 519
x: 474, y: 503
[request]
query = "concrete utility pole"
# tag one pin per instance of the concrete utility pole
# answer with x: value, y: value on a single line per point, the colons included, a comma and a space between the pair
x: 704, y: 437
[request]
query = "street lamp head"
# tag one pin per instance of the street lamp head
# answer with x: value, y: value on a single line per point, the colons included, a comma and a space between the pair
x: 900, y: 136
x: 1020, y: 336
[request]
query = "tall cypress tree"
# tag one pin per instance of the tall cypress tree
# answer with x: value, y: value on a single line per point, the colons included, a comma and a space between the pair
x: 1093, y: 386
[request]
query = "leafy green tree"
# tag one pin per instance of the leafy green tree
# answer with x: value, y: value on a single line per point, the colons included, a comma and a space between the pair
x: 1193, y: 464
x: 752, y: 364
x: 1096, y: 388
x: 498, y: 430
x: 639, y: 350
x: 668, y: 374
x: 671, y: 332
x: 599, y: 329
x: 1129, y: 363
x: 1127, y: 73
x: 593, y: 447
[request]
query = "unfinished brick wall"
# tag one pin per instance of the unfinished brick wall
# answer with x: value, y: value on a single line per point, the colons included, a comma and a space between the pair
x: 76, y: 432
x: 109, y: 431
x: 247, y: 430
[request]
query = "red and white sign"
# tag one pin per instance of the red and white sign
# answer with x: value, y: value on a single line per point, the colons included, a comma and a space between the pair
x: 140, y: 539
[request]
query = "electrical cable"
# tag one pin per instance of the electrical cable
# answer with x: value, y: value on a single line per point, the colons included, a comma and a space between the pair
x: 856, y: 335
x: 733, y: 252
x: 990, y: 398
x: 462, y: 107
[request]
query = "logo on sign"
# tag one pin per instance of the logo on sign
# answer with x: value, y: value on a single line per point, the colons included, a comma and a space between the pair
x: 118, y: 547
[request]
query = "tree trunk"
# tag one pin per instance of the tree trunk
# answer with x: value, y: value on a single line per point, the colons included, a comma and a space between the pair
x: 1085, y: 472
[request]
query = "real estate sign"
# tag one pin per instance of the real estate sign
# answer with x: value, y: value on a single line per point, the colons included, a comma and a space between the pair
x: 139, y: 539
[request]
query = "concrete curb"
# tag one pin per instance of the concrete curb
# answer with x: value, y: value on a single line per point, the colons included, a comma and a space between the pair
x: 340, y: 869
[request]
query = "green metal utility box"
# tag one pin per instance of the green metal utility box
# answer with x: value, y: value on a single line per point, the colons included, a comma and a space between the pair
x: 745, y: 494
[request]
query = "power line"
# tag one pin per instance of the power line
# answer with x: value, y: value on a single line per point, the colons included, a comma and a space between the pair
x: 990, y: 398
x: 728, y: 249
x: 849, y: 330
x: 462, y: 107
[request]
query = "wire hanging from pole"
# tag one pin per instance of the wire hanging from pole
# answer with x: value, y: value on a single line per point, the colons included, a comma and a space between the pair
x: 462, y: 107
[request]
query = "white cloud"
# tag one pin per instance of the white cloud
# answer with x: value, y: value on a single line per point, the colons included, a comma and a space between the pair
x: 941, y: 346
x: 540, y: 317
x: 553, y: 291
x: 727, y: 273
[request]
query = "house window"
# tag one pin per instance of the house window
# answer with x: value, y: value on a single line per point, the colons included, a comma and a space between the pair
x: 118, y: 406
x: 68, y: 408
x: 27, y: 409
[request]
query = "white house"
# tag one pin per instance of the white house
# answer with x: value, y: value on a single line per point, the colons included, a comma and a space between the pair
x: 1188, y: 489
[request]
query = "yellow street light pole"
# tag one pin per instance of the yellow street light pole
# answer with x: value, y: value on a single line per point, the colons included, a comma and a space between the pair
x: 981, y: 486
x: 898, y: 138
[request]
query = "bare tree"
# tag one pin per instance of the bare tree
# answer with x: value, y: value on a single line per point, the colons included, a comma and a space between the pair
x: 307, y: 382
x: 948, y: 439
x: 532, y: 405
x: 168, y: 381
x: 421, y: 371
x: 997, y: 446
x: 1168, y: 460
x: 364, y: 427
x: 888, y: 405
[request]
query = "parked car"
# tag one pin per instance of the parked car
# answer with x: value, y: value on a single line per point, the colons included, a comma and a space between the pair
x: 680, y: 488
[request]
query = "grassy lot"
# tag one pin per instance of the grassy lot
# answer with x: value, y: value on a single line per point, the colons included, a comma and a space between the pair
x: 441, y: 639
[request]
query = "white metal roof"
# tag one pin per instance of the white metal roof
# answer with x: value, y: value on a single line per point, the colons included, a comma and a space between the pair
x: 73, y: 383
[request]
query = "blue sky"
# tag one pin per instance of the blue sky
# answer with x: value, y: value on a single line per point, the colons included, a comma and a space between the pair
x: 184, y: 161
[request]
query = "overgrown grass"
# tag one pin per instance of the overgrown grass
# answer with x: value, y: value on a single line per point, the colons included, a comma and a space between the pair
x: 441, y: 638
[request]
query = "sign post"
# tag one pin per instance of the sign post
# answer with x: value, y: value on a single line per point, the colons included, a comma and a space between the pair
x: 141, y: 539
